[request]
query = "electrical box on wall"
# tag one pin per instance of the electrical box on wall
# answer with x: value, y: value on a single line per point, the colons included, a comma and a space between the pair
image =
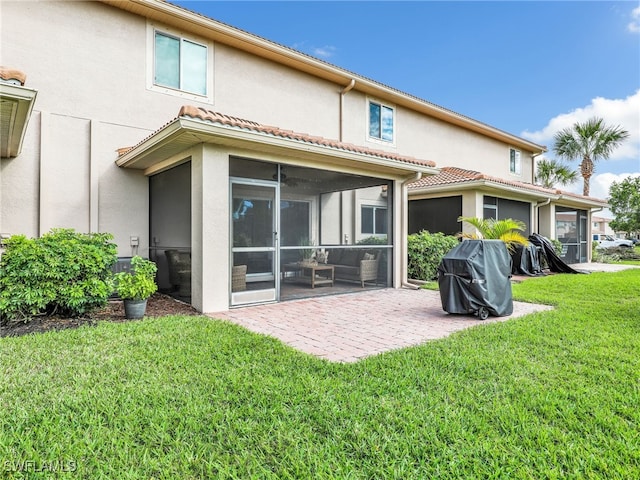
x: 134, y: 240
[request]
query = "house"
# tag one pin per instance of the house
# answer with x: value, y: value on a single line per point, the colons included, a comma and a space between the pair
x: 436, y: 202
x: 228, y: 159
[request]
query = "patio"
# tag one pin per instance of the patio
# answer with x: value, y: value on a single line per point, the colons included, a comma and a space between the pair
x: 352, y: 326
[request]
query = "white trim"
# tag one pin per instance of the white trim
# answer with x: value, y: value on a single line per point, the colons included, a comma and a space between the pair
x: 518, y: 162
x: 150, y: 59
x: 380, y: 141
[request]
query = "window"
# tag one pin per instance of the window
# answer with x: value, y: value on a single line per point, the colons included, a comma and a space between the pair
x: 179, y: 64
x: 381, y: 122
x: 490, y: 208
x: 514, y: 161
x: 373, y: 220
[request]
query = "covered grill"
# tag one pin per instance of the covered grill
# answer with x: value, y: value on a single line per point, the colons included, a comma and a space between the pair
x: 474, y: 278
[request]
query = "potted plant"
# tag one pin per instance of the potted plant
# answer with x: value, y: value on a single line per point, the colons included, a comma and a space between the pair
x: 307, y: 253
x: 137, y: 286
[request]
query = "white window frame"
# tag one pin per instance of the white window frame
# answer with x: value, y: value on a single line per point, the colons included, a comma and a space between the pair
x: 150, y: 67
x: 374, y: 207
x: 517, y: 166
x: 380, y: 140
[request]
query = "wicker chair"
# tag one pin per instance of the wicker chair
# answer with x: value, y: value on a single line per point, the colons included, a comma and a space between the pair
x: 239, y: 278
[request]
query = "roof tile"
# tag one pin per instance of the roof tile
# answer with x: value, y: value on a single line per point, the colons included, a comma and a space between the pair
x: 229, y: 121
x: 455, y: 175
x: 10, y: 74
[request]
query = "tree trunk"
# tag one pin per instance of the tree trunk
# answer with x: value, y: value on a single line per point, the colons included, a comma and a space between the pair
x: 586, y: 170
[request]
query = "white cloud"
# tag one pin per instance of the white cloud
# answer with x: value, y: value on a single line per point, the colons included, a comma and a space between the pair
x: 320, y: 52
x: 599, y: 187
x: 324, y: 52
x: 615, y: 112
x: 634, y: 25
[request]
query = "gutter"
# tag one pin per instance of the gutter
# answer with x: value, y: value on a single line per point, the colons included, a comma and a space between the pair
x: 404, y: 248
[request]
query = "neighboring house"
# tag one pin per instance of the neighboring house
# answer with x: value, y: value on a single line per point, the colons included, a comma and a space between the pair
x: 183, y: 135
x: 600, y: 225
x: 436, y: 202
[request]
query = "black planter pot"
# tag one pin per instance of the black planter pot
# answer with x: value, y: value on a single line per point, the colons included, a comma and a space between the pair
x: 134, y: 309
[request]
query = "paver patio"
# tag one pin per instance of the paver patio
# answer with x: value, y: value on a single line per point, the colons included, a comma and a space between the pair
x: 349, y: 327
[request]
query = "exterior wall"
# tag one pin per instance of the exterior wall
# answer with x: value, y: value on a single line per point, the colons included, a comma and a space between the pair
x: 546, y: 221
x: 429, y: 138
x: 93, y: 99
x: 210, y: 229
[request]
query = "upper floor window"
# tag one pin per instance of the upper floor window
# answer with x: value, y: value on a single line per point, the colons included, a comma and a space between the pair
x: 374, y: 220
x: 514, y: 161
x: 381, y: 122
x: 180, y: 63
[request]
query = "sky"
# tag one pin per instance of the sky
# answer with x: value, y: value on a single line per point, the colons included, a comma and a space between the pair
x: 530, y: 68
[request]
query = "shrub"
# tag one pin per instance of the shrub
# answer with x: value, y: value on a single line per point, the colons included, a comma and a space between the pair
x: 62, y: 272
x: 557, y: 246
x: 615, y: 254
x: 373, y: 240
x: 425, y: 253
x: 140, y: 283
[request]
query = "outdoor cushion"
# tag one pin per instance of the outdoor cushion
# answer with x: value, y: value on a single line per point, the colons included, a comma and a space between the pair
x: 350, y: 257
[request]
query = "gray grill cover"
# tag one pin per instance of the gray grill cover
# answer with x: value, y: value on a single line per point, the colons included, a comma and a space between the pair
x: 476, y: 274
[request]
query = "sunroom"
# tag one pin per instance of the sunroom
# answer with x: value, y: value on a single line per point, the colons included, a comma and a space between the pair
x: 242, y: 213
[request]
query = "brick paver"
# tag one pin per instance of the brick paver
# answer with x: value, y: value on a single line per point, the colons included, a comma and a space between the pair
x: 349, y: 327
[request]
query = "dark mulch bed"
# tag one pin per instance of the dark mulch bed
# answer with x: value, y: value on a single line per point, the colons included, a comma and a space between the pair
x: 158, y: 305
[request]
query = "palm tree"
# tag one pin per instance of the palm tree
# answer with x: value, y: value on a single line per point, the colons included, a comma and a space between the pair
x: 590, y: 141
x: 550, y: 173
x: 507, y: 230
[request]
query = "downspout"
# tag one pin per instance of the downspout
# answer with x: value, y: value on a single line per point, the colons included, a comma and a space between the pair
x: 404, y: 250
x: 537, y: 213
x: 342, y: 94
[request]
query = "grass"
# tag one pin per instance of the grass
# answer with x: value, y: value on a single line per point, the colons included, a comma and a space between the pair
x: 550, y: 395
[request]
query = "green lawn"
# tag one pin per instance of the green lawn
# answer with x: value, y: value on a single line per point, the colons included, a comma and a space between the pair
x: 549, y: 395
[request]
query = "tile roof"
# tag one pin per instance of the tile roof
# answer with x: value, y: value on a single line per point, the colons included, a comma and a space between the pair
x: 234, y: 122
x: 455, y: 175
x: 11, y: 75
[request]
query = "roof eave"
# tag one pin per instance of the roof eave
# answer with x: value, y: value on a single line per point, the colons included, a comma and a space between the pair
x: 225, y: 34
x: 157, y: 148
x: 557, y: 197
x: 17, y: 106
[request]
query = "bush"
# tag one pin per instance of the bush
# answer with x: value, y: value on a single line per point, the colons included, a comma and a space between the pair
x: 62, y: 272
x: 425, y: 253
x: 140, y: 283
x: 373, y: 241
x: 614, y: 255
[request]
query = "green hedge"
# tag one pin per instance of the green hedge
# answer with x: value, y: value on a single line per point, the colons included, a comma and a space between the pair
x: 61, y: 273
x: 425, y: 252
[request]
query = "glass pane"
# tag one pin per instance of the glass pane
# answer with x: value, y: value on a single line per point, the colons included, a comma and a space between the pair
x: 367, y: 220
x: 194, y: 67
x: 167, y: 61
x: 374, y: 120
x: 381, y: 220
x: 387, y: 124
x: 252, y: 216
x: 294, y: 223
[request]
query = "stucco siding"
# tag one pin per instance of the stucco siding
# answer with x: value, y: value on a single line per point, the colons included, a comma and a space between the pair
x: 272, y: 94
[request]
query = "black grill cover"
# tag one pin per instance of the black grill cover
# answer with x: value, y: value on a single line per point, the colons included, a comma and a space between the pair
x: 526, y: 260
x: 476, y: 274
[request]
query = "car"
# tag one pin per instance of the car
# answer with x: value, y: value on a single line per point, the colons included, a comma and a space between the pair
x: 607, y: 241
